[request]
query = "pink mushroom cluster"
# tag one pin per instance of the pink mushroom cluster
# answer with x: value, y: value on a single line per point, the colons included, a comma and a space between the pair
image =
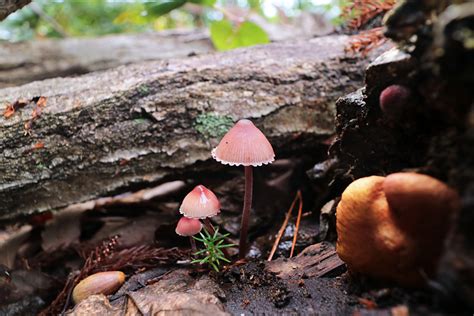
x: 243, y: 145
x: 200, y: 203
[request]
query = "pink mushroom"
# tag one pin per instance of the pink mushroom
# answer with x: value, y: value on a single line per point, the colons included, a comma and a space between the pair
x: 201, y: 203
x: 244, y: 145
x: 189, y: 227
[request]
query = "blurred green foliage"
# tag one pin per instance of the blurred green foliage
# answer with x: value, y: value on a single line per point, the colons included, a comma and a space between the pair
x: 59, y: 18
x: 226, y: 36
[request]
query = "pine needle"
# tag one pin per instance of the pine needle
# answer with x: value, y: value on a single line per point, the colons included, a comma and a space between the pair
x: 297, y: 225
x: 282, y: 228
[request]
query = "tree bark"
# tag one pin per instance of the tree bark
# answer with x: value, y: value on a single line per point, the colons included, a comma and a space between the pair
x: 106, y: 132
x: 9, y: 6
x: 36, y: 60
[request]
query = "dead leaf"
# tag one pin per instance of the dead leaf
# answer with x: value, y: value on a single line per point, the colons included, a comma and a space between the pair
x: 10, y: 241
x: 25, y: 283
x: 64, y: 229
x: 176, y: 293
x: 132, y: 231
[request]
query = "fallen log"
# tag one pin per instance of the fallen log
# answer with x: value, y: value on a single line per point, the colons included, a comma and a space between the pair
x: 106, y: 132
x: 9, y: 6
x: 36, y: 60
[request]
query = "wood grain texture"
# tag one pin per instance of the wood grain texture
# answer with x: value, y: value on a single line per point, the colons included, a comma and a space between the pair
x: 135, y: 125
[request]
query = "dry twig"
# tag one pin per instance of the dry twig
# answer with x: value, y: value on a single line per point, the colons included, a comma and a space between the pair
x: 283, y: 226
x: 297, y: 225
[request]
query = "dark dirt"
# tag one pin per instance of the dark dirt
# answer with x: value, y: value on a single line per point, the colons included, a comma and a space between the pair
x: 250, y: 288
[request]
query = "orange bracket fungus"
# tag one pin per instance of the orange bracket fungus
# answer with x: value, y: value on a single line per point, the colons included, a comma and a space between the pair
x: 189, y: 227
x: 393, y: 227
x: 244, y: 145
x: 201, y: 203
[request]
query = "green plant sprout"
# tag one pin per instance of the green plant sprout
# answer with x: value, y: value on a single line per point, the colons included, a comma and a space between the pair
x: 213, y: 249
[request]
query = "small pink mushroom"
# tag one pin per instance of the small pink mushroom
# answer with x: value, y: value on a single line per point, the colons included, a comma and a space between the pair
x: 201, y: 203
x: 189, y: 227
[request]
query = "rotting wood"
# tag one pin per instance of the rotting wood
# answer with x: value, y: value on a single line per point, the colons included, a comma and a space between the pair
x: 140, y: 124
x: 316, y: 261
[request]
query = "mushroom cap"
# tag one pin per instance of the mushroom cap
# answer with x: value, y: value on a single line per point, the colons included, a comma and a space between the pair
x: 394, y: 227
x: 244, y: 145
x: 433, y: 202
x: 200, y: 203
x: 188, y: 226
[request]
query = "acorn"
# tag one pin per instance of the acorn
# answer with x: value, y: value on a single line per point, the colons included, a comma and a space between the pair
x: 393, y: 228
x: 99, y: 283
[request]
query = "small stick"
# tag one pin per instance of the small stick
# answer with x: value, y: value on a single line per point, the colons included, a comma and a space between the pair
x: 297, y: 226
x: 282, y: 228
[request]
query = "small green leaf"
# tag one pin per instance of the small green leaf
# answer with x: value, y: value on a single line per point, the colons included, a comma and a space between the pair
x: 200, y: 252
x: 223, y: 36
x: 226, y: 246
x: 165, y: 7
x: 251, y: 34
x: 214, y: 266
x: 209, y: 3
x: 226, y: 36
x: 199, y: 239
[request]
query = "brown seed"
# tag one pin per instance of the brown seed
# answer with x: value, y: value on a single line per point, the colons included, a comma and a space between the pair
x: 99, y: 283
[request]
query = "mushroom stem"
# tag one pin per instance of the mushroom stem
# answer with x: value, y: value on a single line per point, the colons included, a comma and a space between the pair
x: 246, y: 211
x: 209, y: 227
x: 193, y: 244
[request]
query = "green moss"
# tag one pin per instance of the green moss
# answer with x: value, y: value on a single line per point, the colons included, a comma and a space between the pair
x: 144, y: 89
x: 212, y: 125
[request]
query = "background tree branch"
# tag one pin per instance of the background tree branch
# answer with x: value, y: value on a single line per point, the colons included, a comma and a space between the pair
x: 9, y: 6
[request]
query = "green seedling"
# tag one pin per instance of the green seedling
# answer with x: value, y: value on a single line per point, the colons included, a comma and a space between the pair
x: 213, y: 254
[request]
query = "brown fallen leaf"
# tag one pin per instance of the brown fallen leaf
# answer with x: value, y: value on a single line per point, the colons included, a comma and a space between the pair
x: 177, y: 293
x: 10, y: 241
x: 63, y: 230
